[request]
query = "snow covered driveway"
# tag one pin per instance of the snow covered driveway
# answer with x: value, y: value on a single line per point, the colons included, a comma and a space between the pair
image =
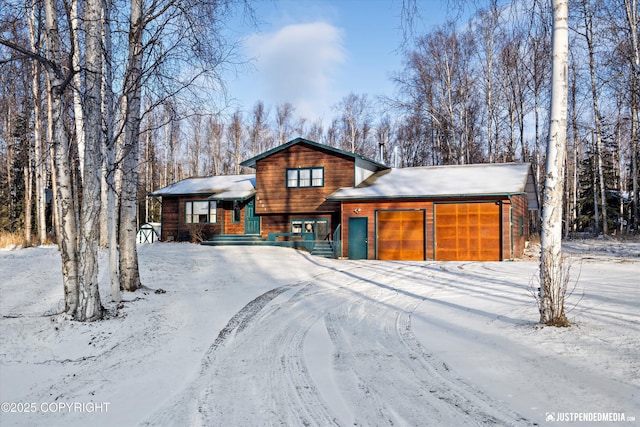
x: 273, y: 336
x: 338, y: 349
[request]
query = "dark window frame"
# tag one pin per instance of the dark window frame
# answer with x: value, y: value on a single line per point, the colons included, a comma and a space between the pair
x: 294, y: 182
x: 190, y: 216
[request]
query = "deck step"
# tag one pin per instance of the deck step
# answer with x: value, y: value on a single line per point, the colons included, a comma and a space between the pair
x: 320, y: 248
x: 323, y: 249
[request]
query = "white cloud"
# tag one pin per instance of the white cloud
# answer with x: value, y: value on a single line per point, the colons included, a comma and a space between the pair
x: 298, y: 64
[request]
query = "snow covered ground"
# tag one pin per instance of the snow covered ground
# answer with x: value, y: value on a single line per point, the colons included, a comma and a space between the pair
x: 253, y: 336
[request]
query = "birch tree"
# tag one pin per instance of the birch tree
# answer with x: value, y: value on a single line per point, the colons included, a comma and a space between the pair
x: 35, y: 38
x: 89, y: 305
x: 632, y: 14
x: 552, y: 272
x: 57, y: 84
x: 589, y: 37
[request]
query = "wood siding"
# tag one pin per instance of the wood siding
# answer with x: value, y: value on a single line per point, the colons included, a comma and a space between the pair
x: 274, y: 197
x: 174, y: 227
x: 520, y: 224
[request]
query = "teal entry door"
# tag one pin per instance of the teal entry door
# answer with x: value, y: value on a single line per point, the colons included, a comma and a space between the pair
x: 358, y: 242
x: 251, y: 221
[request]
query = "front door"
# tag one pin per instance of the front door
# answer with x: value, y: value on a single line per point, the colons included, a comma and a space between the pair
x: 358, y: 240
x: 251, y: 222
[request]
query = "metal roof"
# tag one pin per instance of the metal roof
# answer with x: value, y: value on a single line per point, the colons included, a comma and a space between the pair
x: 252, y: 161
x: 446, y: 182
x: 221, y: 187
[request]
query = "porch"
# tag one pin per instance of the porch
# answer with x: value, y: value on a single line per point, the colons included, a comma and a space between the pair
x: 307, y: 241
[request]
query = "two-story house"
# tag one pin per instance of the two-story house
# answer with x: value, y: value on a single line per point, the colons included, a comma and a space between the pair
x: 306, y: 191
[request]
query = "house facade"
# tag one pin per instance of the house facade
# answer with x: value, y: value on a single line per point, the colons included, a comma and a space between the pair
x: 303, y: 190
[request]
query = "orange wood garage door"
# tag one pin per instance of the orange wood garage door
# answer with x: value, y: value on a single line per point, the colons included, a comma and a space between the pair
x: 467, y: 231
x: 400, y: 235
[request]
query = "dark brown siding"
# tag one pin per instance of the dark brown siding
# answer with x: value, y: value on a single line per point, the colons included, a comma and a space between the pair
x: 174, y: 227
x: 225, y: 209
x: 273, y: 196
x: 169, y: 218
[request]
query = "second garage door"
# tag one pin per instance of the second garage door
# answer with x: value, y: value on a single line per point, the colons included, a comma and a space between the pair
x: 467, y: 231
x: 400, y: 235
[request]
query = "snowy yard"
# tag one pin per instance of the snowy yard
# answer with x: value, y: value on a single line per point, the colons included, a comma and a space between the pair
x: 252, y: 336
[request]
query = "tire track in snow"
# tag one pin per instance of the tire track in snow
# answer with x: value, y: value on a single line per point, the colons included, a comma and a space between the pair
x: 255, y: 372
x: 396, y: 381
x: 248, y: 365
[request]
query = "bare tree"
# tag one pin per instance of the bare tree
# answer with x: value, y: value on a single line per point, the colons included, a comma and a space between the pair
x: 235, y: 135
x: 284, y: 115
x: 355, y: 113
x: 552, y: 289
x: 260, y: 138
x: 633, y: 19
x: 589, y: 37
x: 89, y: 305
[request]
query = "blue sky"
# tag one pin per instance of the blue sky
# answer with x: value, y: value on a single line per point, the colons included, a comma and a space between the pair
x: 312, y: 53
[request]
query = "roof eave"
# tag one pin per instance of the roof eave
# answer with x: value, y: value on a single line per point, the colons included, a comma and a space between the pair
x: 252, y: 161
x: 415, y: 197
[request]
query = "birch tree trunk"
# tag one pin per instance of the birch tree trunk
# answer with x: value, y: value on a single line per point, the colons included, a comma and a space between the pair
x: 39, y: 158
x: 28, y: 198
x: 78, y: 112
x: 633, y: 20
x: 108, y: 161
x: 89, y: 306
x: 60, y: 145
x: 552, y: 289
x: 129, y: 274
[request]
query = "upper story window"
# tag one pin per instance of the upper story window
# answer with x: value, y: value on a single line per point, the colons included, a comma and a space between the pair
x: 200, y: 212
x: 305, y: 177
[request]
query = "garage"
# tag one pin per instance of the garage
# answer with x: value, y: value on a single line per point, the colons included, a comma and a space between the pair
x: 400, y: 235
x: 467, y: 231
x: 455, y: 213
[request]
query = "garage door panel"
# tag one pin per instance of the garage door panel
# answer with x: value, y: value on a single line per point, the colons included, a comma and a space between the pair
x: 467, y: 231
x: 400, y: 235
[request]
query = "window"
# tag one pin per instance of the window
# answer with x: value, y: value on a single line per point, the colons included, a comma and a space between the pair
x: 235, y: 216
x: 296, y: 226
x: 521, y: 221
x: 305, y: 177
x: 200, y: 212
x: 319, y: 227
x: 317, y: 177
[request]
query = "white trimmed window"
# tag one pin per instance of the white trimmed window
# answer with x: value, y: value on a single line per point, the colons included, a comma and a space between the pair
x: 305, y: 177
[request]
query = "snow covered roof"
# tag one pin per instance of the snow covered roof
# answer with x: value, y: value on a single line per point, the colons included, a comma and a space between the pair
x: 222, y: 187
x: 446, y: 181
x: 252, y: 161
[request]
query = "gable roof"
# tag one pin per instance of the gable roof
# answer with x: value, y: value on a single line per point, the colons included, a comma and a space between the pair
x: 446, y: 182
x: 252, y: 161
x: 221, y: 187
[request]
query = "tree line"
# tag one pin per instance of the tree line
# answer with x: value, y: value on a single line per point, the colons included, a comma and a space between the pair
x: 477, y: 92
x: 104, y: 101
